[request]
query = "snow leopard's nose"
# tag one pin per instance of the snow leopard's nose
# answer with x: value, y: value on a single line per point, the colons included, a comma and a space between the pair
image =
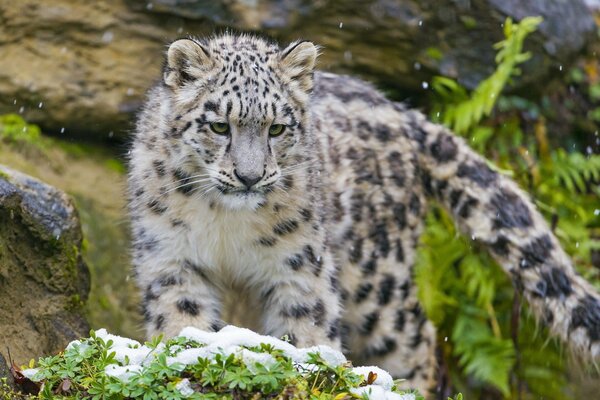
x: 247, y: 179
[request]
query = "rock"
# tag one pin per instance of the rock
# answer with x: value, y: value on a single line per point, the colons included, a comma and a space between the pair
x: 84, y: 66
x: 5, y: 373
x: 43, y: 279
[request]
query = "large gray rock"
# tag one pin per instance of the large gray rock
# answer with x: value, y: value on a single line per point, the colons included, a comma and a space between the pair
x: 85, y: 65
x: 43, y: 279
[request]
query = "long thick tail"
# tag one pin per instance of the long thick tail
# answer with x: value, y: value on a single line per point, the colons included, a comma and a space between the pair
x: 492, y: 209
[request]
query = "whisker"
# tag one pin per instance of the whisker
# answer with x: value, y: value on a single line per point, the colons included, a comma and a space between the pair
x: 187, y: 178
x: 185, y: 184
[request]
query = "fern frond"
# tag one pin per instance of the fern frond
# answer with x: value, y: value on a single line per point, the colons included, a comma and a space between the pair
x: 465, y: 112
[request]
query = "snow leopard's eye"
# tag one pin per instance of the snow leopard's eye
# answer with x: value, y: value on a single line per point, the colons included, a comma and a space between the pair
x: 220, y: 128
x: 276, y: 130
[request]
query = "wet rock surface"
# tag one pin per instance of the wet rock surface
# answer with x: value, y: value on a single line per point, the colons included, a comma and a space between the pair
x: 83, y: 67
x: 43, y: 279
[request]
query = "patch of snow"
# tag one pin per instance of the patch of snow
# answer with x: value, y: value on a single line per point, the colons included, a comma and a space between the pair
x: 396, y: 396
x: 184, y: 388
x: 30, y: 372
x: 190, y: 356
x: 332, y: 357
x: 118, y: 341
x: 373, y: 392
x: 251, y: 358
x: 122, y: 372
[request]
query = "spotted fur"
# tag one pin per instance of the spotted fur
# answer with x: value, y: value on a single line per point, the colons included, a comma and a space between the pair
x: 313, y: 233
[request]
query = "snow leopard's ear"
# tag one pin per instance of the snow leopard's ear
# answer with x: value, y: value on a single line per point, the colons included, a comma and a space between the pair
x: 297, y: 62
x: 187, y: 60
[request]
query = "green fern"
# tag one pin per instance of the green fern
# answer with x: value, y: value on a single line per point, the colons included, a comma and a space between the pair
x: 462, y: 111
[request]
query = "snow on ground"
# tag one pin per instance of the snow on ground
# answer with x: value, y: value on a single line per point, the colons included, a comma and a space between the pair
x: 134, y: 356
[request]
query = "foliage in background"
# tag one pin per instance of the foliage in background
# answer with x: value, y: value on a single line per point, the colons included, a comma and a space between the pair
x: 495, y: 350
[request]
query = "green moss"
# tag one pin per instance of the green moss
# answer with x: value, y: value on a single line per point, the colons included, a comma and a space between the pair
x: 115, y: 165
x: 434, y: 53
x: 14, y: 129
x: 74, y: 302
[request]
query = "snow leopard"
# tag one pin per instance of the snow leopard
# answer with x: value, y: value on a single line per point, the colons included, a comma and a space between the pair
x: 291, y: 201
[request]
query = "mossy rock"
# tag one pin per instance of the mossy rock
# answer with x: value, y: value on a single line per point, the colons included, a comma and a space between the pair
x: 43, y: 279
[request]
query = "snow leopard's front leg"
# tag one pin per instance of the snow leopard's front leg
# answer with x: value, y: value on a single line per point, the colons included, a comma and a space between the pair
x: 176, y: 294
x: 302, y: 300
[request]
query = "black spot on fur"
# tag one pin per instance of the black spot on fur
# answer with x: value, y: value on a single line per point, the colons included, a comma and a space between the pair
x: 185, y: 128
x: 309, y: 252
x: 357, y: 201
x: 455, y: 196
x: 382, y: 133
x: 197, y: 269
x: 334, y: 282
x: 211, y: 106
x: 536, y: 252
x: 160, y: 321
x: 510, y: 211
x: 444, y: 148
x: 414, y: 204
x: 187, y: 306
x: 478, y: 172
x: 369, y: 267
x: 386, y: 289
x: 404, y: 290
x: 387, y: 346
x: 159, y: 167
x: 356, y: 251
x: 399, y: 251
x: 400, y: 321
x: 370, y: 321
x: 156, y: 207
x: 587, y: 316
x: 500, y: 246
x: 183, y: 181
x: 149, y: 294
x: 465, y: 208
x: 306, y: 214
x: 379, y: 235
x: 427, y: 183
x: 288, y: 182
x: 297, y: 311
x: 216, y: 325
x: 396, y: 167
x: 296, y: 261
x: 362, y: 292
x: 267, y: 241
x: 168, y: 280
x: 319, y: 313
x: 334, y: 329
x: 553, y: 284
x: 399, y: 212
x: 285, y: 227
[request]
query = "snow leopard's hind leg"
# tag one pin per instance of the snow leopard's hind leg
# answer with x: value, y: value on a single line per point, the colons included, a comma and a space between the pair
x: 383, y: 323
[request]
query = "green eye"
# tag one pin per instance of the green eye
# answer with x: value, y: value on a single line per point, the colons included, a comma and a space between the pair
x: 220, y: 128
x: 276, y: 129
